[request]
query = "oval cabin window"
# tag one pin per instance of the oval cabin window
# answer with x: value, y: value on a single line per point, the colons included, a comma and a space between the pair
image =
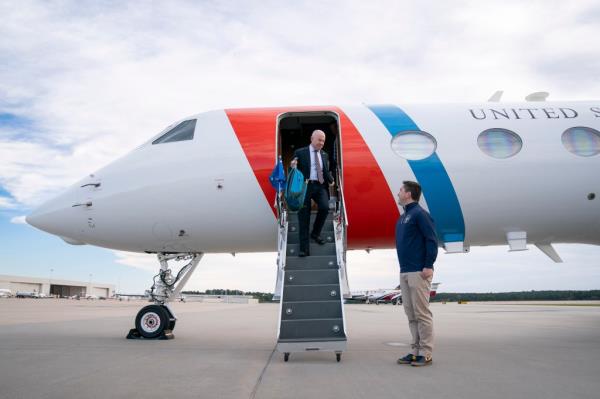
x: 499, y: 143
x: 413, y: 145
x: 582, y: 141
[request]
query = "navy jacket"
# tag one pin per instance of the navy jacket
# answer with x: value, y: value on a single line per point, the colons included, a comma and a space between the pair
x: 416, y: 241
x: 303, y: 155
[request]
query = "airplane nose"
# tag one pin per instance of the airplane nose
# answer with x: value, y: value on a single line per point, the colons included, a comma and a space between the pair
x: 58, y: 216
x: 44, y: 219
x: 58, y: 221
x: 33, y: 219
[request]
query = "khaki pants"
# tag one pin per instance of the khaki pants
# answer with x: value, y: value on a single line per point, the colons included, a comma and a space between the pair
x: 415, y: 299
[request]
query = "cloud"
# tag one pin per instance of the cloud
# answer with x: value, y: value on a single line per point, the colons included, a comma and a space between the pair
x: 114, y: 76
x: 18, y: 220
x: 94, y: 82
x: 138, y: 260
x: 7, y: 203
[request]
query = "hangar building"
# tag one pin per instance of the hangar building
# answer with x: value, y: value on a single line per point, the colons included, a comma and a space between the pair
x: 61, y: 288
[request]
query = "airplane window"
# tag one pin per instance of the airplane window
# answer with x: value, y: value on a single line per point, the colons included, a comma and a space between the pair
x: 183, y: 131
x: 582, y: 141
x: 413, y: 145
x: 499, y: 143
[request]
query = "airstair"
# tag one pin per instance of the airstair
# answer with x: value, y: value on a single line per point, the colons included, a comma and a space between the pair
x: 311, y: 289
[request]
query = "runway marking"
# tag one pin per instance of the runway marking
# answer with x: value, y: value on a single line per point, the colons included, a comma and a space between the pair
x: 395, y: 344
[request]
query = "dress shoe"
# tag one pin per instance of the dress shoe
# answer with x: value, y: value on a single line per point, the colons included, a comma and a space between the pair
x: 318, y: 239
x: 302, y: 254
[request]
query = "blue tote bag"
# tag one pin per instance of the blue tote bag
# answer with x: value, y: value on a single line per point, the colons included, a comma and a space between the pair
x: 295, y: 190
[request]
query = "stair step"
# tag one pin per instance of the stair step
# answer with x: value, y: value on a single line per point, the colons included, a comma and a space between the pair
x: 316, y: 340
x: 311, y: 306
x: 294, y: 237
x: 311, y: 329
x: 313, y: 214
x: 324, y: 292
x: 312, y: 262
x: 315, y: 249
x: 311, y: 277
x: 311, y: 310
x: 293, y: 226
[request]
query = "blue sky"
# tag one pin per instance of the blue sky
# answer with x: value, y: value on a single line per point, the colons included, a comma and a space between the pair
x: 80, y: 85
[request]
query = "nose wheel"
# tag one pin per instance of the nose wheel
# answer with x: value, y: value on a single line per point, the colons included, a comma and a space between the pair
x: 153, y: 322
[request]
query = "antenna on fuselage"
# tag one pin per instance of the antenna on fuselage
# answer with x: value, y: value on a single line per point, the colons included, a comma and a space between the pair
x: 537, y: 96
x: 495, y: 98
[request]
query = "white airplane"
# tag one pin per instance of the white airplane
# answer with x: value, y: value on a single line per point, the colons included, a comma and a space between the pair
x: 492, y: 174
x: 386, y: 295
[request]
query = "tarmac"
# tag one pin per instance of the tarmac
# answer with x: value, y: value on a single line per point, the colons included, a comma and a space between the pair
x: 51, y: 348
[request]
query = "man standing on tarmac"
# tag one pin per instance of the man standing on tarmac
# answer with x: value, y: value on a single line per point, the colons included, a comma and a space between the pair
x: 417, y: 247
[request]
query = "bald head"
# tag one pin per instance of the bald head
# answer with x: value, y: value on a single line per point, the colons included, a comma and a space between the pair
x: 317, y: 139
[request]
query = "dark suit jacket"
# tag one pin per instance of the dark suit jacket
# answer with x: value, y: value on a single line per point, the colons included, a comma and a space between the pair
x: 303, y: 155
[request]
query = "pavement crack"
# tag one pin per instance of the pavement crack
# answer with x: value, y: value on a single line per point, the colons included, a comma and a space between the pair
x: 262, y: 373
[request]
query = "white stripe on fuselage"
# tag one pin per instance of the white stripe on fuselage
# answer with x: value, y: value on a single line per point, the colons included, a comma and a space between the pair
x: 378, y: 139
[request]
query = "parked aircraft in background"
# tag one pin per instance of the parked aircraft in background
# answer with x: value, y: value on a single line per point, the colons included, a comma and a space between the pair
x: 27, y: 294
x: 383, y: 295
x: 492, y: 174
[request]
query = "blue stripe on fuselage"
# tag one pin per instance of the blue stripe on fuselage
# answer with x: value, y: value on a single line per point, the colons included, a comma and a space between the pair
x: 432, y: 176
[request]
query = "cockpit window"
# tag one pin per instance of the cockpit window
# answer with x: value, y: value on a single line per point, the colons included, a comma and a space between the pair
x: 183, y: 131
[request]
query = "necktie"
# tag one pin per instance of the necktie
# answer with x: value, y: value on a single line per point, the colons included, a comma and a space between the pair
x: 319, y: 168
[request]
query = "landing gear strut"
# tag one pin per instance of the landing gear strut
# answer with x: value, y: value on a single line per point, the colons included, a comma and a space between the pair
x: 158, y: 321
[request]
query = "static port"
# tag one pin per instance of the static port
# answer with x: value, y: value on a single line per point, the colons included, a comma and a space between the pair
x: 591, y: 196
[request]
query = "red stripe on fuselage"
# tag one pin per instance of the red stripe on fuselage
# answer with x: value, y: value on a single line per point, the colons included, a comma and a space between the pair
x: 370, y: 206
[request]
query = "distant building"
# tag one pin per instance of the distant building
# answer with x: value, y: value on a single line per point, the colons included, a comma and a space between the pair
x: 62, y: 288
x: 219, y: 298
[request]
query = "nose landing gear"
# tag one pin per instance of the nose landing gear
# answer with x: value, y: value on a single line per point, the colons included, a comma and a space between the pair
x: 158, y: 321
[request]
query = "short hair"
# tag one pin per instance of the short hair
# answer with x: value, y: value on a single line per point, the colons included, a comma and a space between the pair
x: 413, y: 188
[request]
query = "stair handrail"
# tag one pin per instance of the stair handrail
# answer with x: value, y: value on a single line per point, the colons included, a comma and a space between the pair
x: 341, y: 237
x: 282, y: 227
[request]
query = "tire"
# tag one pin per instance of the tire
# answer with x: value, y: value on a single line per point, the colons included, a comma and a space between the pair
x: 171, y: 324
x: 338, y: 357
x: 151, y: 321
x: 172, y: 319
x: 286, y: 356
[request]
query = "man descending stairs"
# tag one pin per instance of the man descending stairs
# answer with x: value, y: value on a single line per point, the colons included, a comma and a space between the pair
x: 312, y: 315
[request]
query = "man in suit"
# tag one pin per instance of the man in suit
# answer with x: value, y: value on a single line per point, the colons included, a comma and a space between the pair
x: 314, y: 165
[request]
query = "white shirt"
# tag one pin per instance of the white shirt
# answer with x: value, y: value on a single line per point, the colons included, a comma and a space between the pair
x: 313, y: 163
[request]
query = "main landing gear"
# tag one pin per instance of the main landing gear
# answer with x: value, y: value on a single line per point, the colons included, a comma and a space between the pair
x: 157, y: 321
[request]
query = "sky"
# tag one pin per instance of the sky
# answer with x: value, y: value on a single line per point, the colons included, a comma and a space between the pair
x: 82, y: 83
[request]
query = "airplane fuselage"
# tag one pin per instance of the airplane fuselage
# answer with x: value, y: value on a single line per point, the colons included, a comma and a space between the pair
x: 212, y: 193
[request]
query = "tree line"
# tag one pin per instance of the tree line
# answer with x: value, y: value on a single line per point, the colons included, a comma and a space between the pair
x: 590, y: 295
x: 518, y: 296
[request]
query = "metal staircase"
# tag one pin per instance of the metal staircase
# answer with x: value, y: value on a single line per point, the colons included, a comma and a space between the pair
x: 312, y: 288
